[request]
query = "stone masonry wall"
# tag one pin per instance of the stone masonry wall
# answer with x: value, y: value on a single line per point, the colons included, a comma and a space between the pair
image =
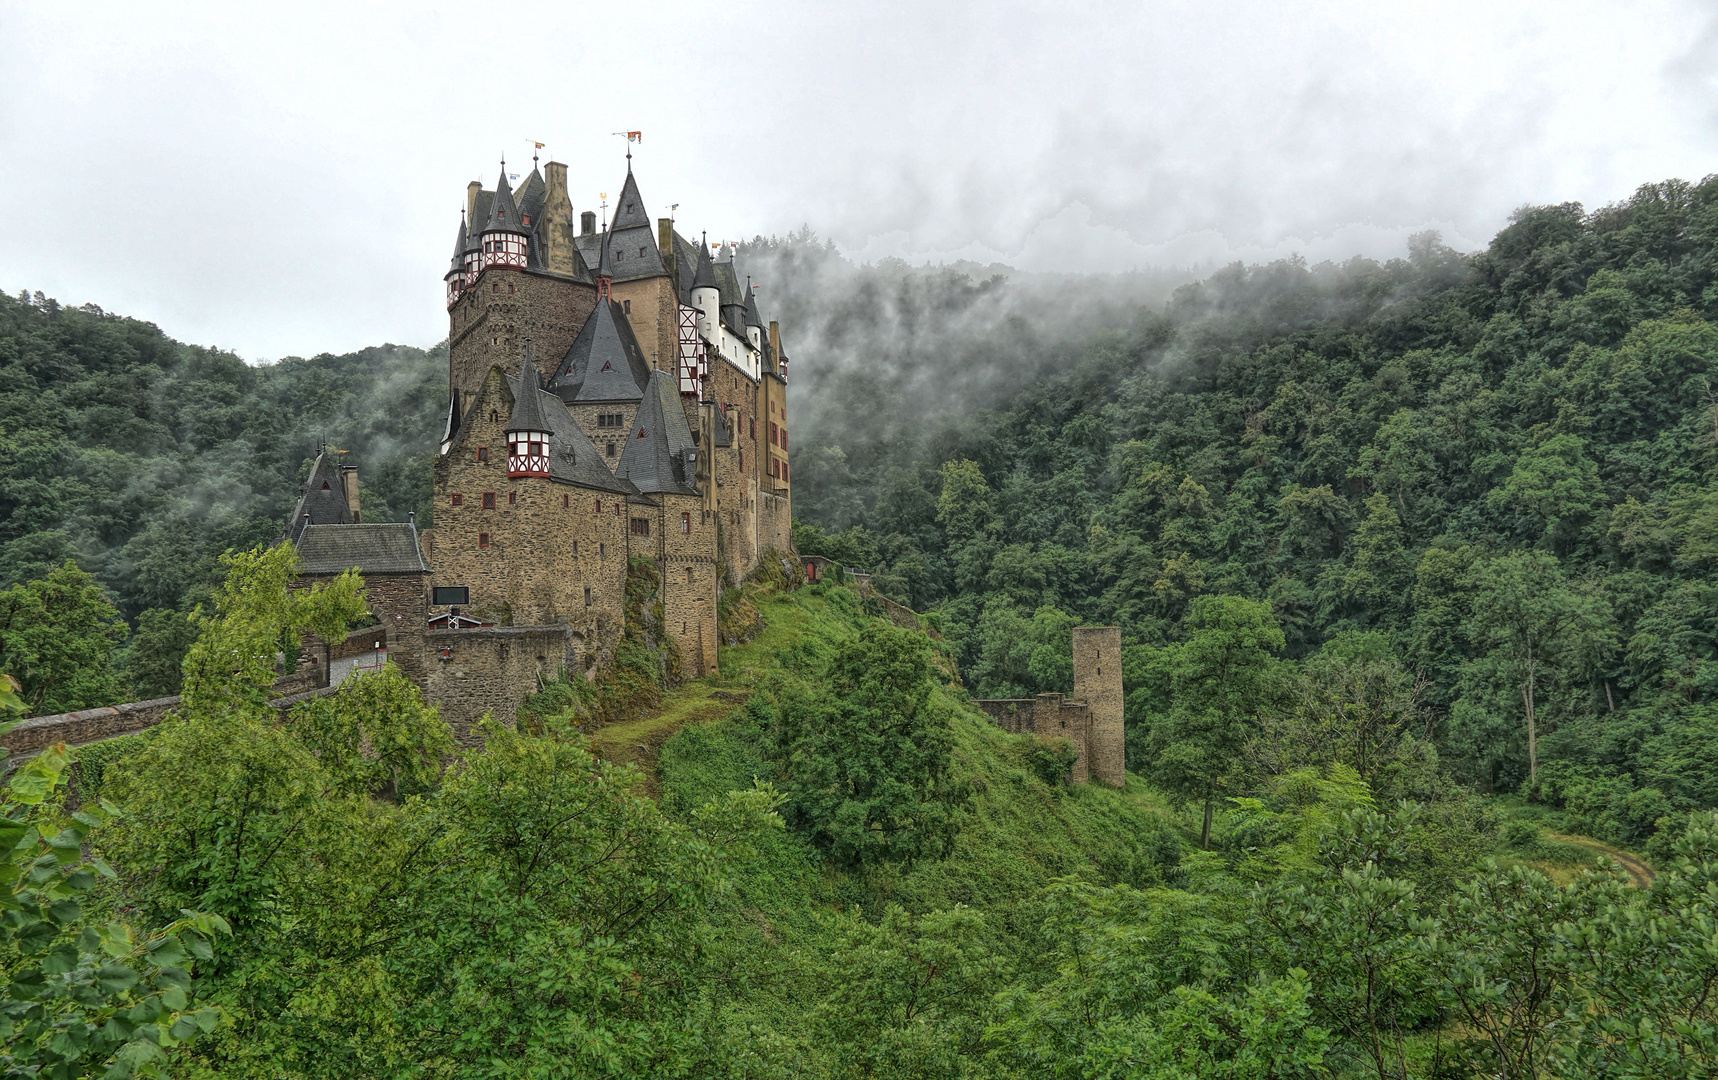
x: 1097, y: 682
x: 652, y: 306
x: 736, y: 466
x: 683, y: 543
x: 494, y: 318
x: 1049, y: 715
x: 548, y: 541
x: 491, y: 670
x: 610, y: 441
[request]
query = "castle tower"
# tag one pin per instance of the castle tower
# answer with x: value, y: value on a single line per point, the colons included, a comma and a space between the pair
x: 706, y: 294
x: 504, y: 234
x: 1097, y: 682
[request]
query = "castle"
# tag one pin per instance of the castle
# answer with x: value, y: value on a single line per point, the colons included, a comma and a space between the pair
x: 613, y: 393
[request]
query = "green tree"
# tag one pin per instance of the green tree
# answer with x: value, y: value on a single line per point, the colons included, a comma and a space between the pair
x: 1534, y: 626
x: 1224, y: 678
x: 866, y: 762
x: 57, y: 636
x: 1552, y: 494
x: 84, y: 996
x: 155, y: 660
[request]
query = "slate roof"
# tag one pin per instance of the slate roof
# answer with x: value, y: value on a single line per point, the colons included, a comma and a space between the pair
x: 654, y: 458
x: 605, y: 261
x: 323, y: 497
x: 379, y: 548
x: 752, y: 316
x: 685, y: 267
x: 629, y: 210
x: 527, y: 405
x: 530, y: 197
x: 503, y: 213
x: 459, y: 246
x: 479, y: 212
x: 705, y: 276
x: 573, y: 458
x: 605, y: 362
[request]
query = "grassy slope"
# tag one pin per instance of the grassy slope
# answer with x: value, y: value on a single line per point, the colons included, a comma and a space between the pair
x: 1021, y: 833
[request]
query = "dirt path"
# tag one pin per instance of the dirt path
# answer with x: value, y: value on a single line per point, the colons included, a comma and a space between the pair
x: 637, y: 742
x: 1639, y: 873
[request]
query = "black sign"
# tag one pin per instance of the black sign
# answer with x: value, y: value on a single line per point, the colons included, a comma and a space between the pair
x: 450, y: 594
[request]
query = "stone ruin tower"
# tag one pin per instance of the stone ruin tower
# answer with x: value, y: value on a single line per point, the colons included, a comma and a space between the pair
x: 1091, y: 720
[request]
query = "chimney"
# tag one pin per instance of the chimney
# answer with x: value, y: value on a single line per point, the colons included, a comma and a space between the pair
x: 588, y: 222
x: 471, y: 191
x: 775, y: 346
x: 349, y: 479
x: 556, y: 228
x: 665, y: 242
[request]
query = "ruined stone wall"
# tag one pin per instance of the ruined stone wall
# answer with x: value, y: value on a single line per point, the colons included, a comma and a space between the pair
x: 491, y: 322
x: 1049, y: 715
x: 492, y: 670
x: 548, y: 542
x: 652, y: 306
x: 1097, y: 682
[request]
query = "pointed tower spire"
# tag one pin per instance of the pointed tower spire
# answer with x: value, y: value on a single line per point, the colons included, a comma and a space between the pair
x: 705, y: 276
x: 503, y: 214
x: 605, y: 270
x: 455, y: 276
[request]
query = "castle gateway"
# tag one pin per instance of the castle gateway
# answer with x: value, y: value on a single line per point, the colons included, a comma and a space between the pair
x: 613, y: 392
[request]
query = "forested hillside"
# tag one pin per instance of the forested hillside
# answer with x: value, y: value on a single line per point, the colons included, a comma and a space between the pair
x: 1492, y: 474
x: 143, y: 458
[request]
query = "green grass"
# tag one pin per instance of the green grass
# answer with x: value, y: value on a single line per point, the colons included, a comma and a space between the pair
x: 1020, y: 834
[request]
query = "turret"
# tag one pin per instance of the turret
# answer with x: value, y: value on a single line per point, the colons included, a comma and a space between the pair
x: 754, y: 321
x: 706, y: 294
x: 504, y: 236
x: 456, y: 271
x: 527, y: 430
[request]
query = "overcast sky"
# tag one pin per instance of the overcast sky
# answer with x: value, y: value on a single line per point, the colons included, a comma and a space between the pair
x: 282, y: 179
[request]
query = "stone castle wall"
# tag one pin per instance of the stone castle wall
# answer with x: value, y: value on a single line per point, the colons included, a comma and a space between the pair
x: 492, y: 670
x: 491, y: 322
x: 1049, y: 715
x: 652, y: 306
x: 683, y: 543
x: 548, y: 543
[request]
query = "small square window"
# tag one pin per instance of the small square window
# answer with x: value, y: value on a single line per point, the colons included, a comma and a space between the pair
x: 483, y: 453
x: 512, y: 497
x: 495, y: 288
x: 602, y: 550
x: 686, y: 528
x: 575, y: 547
x: 626, y: 305
x: 482, y: 540
x: 587, y: 596
x: 510, y: 290
x: 599, y: 506
x: 641, y: 526
x: 458, y: 499
x: 611, y: 449
x: 489, y: 500
x: 564, y: 503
